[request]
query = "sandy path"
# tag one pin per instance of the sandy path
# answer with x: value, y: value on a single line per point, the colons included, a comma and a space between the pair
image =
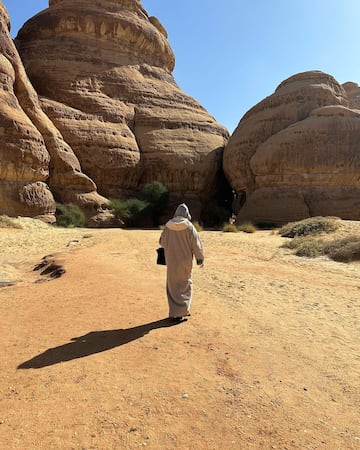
x: 269, y: 359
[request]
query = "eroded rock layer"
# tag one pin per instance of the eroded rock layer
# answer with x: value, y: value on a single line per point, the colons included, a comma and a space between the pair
x: 297, y: 153
x: 24, y: 159
x: 104, y: 73
x: 35, y: 161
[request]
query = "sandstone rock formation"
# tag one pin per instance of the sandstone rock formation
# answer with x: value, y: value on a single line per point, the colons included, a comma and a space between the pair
x: 107, y: 117
x: 297, y: 153
x: 353, y: 93
x: 24, y: 160
x: 35, y: 161
x: 104, y: 73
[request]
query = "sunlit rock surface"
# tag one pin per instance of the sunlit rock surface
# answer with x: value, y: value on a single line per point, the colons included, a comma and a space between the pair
x: 297, y: 153
x: 35, y: 161
x: 104, y: 73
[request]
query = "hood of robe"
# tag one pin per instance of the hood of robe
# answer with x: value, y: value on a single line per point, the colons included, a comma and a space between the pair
x: 178, y: 223
x: 183, y: 211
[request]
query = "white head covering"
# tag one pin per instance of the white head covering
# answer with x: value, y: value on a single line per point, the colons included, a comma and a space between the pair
x: 183, y: 211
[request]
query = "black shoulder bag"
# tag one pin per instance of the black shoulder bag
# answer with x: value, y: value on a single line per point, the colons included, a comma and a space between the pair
x: 161, y: 256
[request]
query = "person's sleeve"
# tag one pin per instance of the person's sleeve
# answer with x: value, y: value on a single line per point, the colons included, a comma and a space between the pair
x: 163, y: 238
x: 197, y: 246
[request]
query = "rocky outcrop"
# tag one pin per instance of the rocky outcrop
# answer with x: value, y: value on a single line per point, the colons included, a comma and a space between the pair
x: 24, y: 160
x: 107, y: 117
x: 353, y: 93
x: 35, y: 161
x: 297, y: 154
x: 104, y: 73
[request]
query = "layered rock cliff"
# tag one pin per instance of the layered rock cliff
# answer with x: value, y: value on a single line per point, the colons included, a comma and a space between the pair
x: 103, y: 70
x: 106, y: 117
x: 297, y: 154
x: 35, y: 161
x: 24, y: 159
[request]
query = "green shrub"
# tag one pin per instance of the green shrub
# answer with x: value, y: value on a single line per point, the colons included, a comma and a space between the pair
x: 130, y: 211
x: 310, y: 226
x: 152, y: 201
x: 8, y: 222
x: 69, y: 215
x: 344, y: 250
x: 156, y: 194
x: 136, y: 207
x: 230, y: 228
x: 247, y: 227
x: 120, y: 208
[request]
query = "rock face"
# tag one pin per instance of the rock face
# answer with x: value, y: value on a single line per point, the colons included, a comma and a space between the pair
x: 353, y: 92
x: 296, y: 154
x: 103, y: 116
x: 35, y: 161
x: 24, y: 159
x: 103, y: 71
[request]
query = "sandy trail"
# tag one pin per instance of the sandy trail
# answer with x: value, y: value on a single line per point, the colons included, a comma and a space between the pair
x: 269, y: 358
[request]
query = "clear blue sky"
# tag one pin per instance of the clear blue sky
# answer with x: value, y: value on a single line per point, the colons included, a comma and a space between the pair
x: 230, y: 54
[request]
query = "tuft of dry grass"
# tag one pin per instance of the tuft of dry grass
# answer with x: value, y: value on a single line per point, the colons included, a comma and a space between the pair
x: 306, y: 246
x: 198, y: 227
x: 8, y: 222
x: 310, y: 226
x: 230, y: 228
x: 247, y: 227
x: 344, y: 250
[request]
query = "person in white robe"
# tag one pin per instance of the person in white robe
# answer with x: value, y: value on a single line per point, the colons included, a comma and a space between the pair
x: 182, y: 243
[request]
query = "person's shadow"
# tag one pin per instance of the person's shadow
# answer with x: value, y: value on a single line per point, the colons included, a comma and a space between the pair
x: 91, y: 343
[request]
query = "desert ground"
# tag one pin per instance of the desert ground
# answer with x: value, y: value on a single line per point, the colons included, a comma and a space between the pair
x: 269, y: 358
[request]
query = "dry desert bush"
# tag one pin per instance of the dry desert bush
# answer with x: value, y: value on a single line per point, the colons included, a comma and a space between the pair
x: 198, y: 227
x: 310, y: 226
x: 8, y: 222
x: 245, y: 227
x: 230, y: 228
x: 344, y: 250
x: 306, y: 246
x: 306, y: 243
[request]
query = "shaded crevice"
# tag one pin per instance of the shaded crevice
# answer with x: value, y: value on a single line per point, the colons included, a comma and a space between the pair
x: 307, y: 204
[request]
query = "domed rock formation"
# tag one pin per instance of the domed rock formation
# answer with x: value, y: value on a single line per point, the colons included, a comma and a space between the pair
x: 297, y: 154
x: 104, y: 73
x: 35, y: 162
x: 353, y: 92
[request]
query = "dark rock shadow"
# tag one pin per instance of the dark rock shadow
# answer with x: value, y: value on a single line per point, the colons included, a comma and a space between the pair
x: 93, y: 342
